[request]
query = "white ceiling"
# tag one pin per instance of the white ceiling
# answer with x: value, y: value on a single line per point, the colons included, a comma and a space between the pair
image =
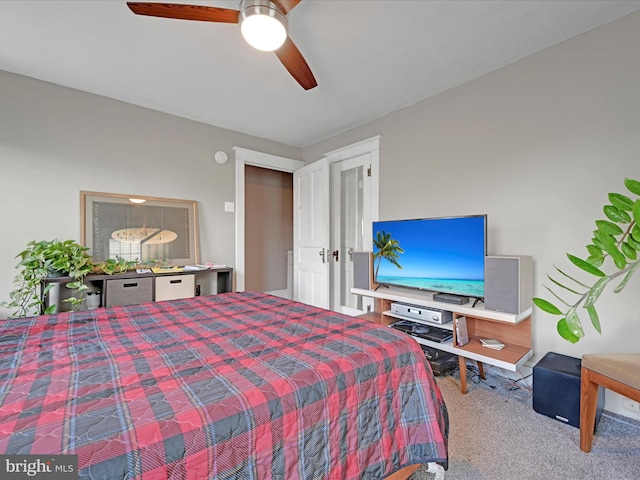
x: 370, y: 58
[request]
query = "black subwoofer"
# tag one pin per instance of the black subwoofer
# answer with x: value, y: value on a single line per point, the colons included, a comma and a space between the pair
x: 556, y: 389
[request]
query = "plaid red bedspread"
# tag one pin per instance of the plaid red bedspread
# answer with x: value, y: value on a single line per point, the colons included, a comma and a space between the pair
x: 232, y: 386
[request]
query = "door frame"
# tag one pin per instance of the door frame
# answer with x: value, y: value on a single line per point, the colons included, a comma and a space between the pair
x: 244, y: 156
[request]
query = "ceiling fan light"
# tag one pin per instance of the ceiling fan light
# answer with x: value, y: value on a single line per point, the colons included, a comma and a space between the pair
x: 263, y: 26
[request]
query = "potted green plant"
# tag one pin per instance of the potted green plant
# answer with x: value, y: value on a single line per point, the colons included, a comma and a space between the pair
x: 613, y: 248
x: 387, y: 248
x: 48, y: 259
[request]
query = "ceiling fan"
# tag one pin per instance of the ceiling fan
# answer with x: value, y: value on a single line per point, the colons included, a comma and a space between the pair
x: 255, y: 18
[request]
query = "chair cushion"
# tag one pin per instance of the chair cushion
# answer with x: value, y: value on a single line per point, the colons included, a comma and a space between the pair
x: 624, y: 368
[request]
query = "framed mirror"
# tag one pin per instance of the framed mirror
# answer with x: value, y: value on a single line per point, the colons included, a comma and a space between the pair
x: 139, y: 228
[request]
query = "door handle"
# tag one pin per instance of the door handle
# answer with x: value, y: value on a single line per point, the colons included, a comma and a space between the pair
x: 350, y: 252
x: 336, y: 255
x: 321, y: 253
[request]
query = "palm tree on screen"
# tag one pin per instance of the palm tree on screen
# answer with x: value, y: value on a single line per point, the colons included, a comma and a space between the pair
x: 386, y: 247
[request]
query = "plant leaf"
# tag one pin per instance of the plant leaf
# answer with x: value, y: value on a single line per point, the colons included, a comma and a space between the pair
x: 556, y: 295
x: 605, y: 239
x: 595, y: 321
x: 612, y: 249
x: 596, y: 290
x: 594, y: 251
x: 628, y: 251
x: 633, y: 243
x: 608, y: 227
x: 619, y: 259
x: 573, y: 323
x: 586, y: 266
x: 546, y: 306
x: 596, y: 261
x: 561, y: 285
x: 621, y: 201
x: 636, y: 211
x: 632, y: 268
x: 571, y: 278
x: 616, y: 215
x: 596, y: 241
x: 632, y: 185
x: 563, y: 330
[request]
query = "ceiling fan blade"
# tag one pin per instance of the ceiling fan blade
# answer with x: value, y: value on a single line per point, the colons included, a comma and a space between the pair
x: 286, y: 5
x: 295, y: 63
x: 185, y: 12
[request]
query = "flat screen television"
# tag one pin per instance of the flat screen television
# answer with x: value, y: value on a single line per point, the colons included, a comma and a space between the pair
x: 444, y: 255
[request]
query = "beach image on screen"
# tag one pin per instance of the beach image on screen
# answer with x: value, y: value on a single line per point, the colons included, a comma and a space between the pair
x: 440, y: 254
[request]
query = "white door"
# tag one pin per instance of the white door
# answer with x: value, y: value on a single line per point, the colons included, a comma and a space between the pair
x: 351, y: 213
x: 354, y: 207
x: 311, y: 239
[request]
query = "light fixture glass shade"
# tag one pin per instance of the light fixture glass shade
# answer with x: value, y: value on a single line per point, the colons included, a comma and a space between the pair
x: 262, y: 25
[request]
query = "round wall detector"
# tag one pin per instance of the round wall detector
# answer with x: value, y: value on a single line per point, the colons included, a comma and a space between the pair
x: 221, y: 157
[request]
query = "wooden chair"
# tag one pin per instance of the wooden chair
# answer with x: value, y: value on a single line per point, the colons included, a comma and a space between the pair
x: 617, y: 372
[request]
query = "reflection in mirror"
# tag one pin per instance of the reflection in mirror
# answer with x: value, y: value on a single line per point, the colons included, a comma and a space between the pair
x: 136, y: 228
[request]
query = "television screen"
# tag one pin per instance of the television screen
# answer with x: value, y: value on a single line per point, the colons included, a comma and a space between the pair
x: 438, y: 254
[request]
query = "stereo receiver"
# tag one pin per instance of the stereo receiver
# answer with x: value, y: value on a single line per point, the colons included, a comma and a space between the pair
x: 427, y: 314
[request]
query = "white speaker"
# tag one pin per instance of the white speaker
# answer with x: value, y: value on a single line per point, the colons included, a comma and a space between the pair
x: 363, y: 270
x: 508, y: 283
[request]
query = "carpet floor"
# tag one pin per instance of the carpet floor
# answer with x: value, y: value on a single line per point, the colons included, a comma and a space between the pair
x: 495, y: 434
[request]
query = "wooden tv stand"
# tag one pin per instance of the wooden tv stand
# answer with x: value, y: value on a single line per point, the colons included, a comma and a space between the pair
x: 514, y: 331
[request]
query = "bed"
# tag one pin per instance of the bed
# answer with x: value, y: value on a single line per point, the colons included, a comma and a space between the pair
x: 240, y: 385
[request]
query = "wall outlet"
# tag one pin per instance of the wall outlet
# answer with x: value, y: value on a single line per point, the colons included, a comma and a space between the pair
x: 631, y: 405
x: 229, y: 207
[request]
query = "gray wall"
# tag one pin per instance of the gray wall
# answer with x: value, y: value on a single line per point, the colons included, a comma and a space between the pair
x: 537, y: 146
x: 55, y: 141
